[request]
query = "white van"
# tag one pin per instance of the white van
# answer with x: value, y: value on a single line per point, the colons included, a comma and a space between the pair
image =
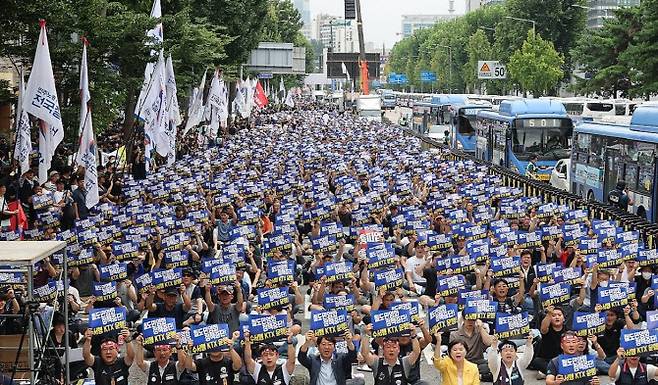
x: 369, y: 107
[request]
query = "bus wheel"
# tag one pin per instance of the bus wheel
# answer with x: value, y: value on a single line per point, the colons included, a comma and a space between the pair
x: 642, y: 212
x: 590, y: 195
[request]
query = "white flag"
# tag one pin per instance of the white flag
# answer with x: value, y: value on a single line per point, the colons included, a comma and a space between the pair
x: 342, y: 64
x: 223, y: 106
x: 85, y: 97
x: 153, y: 112
x: 195, y: 114
x: 173, y: 111
x: 239, y: 103
x: 213, y: 104
x: 289, y: 101
x: 23, y: 140
x: 86, y: 156
x: 41, y: 101
x: 156, y: 37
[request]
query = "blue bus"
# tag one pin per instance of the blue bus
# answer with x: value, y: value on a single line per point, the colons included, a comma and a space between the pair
x: 605, y: 153
x: 522, y: 128
x: 462, y: 127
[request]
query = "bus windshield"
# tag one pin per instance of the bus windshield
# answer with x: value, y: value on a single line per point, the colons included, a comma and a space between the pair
x: 549, y: 138
x: 466, y: 121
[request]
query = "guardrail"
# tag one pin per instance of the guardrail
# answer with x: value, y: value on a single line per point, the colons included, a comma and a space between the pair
x: 597, y: 210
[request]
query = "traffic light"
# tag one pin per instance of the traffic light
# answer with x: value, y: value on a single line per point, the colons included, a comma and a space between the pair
x: 350, y: 9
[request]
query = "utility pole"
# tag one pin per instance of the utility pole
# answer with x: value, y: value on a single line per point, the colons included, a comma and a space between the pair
x: 362, y: 50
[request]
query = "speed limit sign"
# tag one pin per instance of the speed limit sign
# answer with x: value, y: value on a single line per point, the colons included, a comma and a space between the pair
x: 491, y: 70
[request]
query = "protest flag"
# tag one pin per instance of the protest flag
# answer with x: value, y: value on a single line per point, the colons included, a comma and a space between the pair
x: 23, y: 141
x: 41, y: 101
x: 173, y: 112
x: 86, y: 156
x: 195, y: 113
x: 259, y: 96
x: 155, y: 37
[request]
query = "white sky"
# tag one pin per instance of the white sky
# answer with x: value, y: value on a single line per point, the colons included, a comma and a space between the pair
x: 382, y: 19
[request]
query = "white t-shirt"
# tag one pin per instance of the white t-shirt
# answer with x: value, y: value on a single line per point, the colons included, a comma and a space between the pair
x: 412, y: 263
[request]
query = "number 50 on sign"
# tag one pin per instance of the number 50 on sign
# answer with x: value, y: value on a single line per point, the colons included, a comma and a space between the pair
x: 491, y: 70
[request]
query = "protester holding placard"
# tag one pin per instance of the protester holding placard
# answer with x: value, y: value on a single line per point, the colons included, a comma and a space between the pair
x: 225, y: 311
x: 455, y: 369
x: 630, y: 371
x: 170, y: 307
x: 217, y: 368
x: 163, y: 370
x: 388, y: 368
x: 567, y: 368
x: 476, y: 336
x: 504, y: 363
x: 552, y: 328
x: 108, y: 367
x: 329, y: 367
x: 268, y: 372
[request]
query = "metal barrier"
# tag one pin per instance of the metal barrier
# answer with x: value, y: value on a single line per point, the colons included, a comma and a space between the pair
x: 530, y: 187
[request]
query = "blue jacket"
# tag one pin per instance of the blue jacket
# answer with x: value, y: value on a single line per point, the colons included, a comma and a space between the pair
x: 340, y: 363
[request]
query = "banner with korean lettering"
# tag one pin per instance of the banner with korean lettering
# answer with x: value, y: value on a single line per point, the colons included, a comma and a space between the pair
x: 511, y: 325
x: 413, y: 307
x: 159, y: 331
x: 339, y: 302
x: 576, y: 367
x: 612, y: 297
x: 114, y: 272
x: 223, y: 274
x: 214, y: 337
x: 390, y: 323
x: 480, y: 309
x: 637, y: 342
x: 388, y: 279
x: 330, y: 323
x: 338, y: 272
x: 45, y: 293
x: 555, y: 294
x: 652, y: 319
x: 380, y: 255
x: 586, y: 324
x: 450, y: 285
x: 268, y: 328
x: 104, y: 291
x: 276, y: 297
x: 443, y: 318
x: 281, y: 272
x: 107, y: 319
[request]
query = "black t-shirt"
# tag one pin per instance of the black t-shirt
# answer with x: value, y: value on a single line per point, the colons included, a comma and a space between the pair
x: 550, y: 343
x: 609, y: 340
x: 215, y: 372
x: 430, y: 278
x: 104, y: 374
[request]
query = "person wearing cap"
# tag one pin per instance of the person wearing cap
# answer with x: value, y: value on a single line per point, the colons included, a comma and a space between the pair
x: 455, y: 369
x: 328, y: 367
x: 389, y: 368
x: 218, y: 367
x: 194, y: 292
x: 225, y: 311
x: 504, y: 363
x: 569, y: 345
x: 619, y: 196
x: 170, y: 307
x: 161, y: 371
x: 267, y: 371
x: 51, y: 183
x: 108, y: 367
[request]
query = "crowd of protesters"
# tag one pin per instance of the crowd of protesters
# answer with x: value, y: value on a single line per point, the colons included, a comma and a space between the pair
x: 316, y: 187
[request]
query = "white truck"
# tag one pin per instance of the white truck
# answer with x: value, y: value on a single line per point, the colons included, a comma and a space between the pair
x: 369, y: 107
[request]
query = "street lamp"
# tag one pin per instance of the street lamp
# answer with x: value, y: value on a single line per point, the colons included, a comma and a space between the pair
x: 534, y: 23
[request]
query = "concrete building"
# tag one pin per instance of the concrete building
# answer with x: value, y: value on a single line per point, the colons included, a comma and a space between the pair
x: 599, y: 10
x: 413, y: 23
x: 304, y: 8
x: 335, y: 33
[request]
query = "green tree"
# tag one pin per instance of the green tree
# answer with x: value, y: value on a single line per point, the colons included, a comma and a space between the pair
x: 477, y: 48
x: 599, y: 53
x: 642, y: 55
x: 537, y: 66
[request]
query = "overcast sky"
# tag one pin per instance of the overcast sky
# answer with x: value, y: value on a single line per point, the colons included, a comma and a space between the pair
x: 382, y: 18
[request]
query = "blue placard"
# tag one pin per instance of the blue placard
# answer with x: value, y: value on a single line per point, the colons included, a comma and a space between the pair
x: 576, y: 367
x: 338, y: 272
x: 389, y: 279
x: 380, y: 255
x: 450, y: 285
x: 636, y: 342
x: 390, y: 323
x: 159, y: 331
x: 587, y: 324
x: 107, y: 319
x: 167, y: 278
x: 413, y: 307
x: 125, y: 250
x: 176, y: 258
x: 214, y: 337
x: 545, y: 271
x: 276, y: 297
x: 443, y: 318
x: 648, y: 257
x: 223, y: 274
x: 45, y: 293
x: 114, y: 272
x: 332, y: 301
x: 503, y: 267
x: 329, y: 322
x: 281, y: 272
x: 555, y: 294
x: 267, y: 328
x: 652, y: 319
x: 511, y: 325
x: 104, y: 291
x: 483, y: 309
x: 612, y: 297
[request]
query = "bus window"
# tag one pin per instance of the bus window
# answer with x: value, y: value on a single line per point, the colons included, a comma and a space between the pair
x: 574, y: 108
x: 620, y: 109
x: 596, y: 151
x: 526, y: 142
x: 600, y: 107
x: 466, y: 121
x: 645, y: 161
x: 549, y: 138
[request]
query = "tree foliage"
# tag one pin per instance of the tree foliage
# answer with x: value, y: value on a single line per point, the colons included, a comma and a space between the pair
x: 536, y: 66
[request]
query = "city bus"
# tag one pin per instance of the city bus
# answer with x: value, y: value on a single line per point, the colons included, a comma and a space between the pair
x: 462, y: 127
x: 389, y: 100
x: 583, y: 109
x: 521, y: 128
x: 605, y: 153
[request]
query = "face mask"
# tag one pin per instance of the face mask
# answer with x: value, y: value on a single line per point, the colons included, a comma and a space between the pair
x: 603, y: 283
x: 646, y: 275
